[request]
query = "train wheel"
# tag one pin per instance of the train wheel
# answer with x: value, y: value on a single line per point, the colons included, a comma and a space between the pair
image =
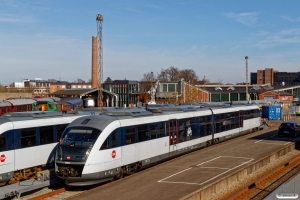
x: 120, y: 175
x: 134, y: 168
x: 216, y: 140
x: 208, y: 143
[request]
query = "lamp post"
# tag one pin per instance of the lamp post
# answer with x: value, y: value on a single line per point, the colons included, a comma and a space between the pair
x: 151, y: 78
x: 189, y: 91
x: 247, y: 96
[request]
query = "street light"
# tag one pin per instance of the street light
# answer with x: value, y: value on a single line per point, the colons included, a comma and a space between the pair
x: 247, y: 97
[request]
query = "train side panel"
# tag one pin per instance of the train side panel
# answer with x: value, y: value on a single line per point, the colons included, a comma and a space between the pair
x: 34, y: 156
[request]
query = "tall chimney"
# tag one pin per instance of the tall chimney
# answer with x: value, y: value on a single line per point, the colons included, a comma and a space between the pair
x: 94, y: 62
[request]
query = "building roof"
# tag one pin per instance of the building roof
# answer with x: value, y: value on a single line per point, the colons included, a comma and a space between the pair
x: 4, y: 104
x: 79, y: 92
x: 17, y: 102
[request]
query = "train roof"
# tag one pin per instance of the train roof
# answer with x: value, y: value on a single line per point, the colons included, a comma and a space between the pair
x: 44, y: 100
x: 154, y: 113
x: 4, y: 104
x: 17, y: 102
x: 33, y: 115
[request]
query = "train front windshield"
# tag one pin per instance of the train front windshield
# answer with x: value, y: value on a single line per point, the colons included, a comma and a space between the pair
x: 76, y: 144
x: 79, y: 137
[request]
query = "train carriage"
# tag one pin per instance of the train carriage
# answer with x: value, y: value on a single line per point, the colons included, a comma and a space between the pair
x: 98, y: 148
x: 4, y: 107
x: 21, y: 105
x: 28, y: 141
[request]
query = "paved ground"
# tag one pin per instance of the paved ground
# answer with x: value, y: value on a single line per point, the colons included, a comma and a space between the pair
x: 183, y: 175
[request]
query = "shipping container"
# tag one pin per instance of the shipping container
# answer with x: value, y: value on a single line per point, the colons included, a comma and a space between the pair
x: 271, y: 112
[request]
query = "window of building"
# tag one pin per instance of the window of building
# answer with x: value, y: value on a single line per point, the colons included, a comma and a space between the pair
x: 78, y: 86
x: 171, y: 87
x: 63, y: 86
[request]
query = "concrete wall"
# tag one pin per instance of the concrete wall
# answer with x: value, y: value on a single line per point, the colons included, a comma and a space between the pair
x: 7, y: 95
x: 206, y: 192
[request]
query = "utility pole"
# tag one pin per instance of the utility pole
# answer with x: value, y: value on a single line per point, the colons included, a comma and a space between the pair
x: 247, y: 96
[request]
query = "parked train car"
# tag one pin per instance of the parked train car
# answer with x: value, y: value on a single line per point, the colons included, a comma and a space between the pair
x: 28, y: 141
x: 99, y: 148
x: 21, y: 105
x: 5, y: 107
x: 45, y: 104
x: 73, y: 103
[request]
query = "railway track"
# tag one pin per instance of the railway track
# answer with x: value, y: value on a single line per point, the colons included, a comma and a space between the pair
x: 265, y: 184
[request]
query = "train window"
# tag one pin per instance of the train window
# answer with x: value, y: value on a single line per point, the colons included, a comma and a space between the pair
x: 257, y: 113
x: 80, y: 136
x: 162, y: 129
x: 113, y: 139
x: 59, y: 130
x: 105, y: 145
x: 2, y: 142
x: 181, y: 130
x: 208, y: 125
x: 130, y: 135
x: 27, y: 137
x: 142, y: 132
x: 224, y: 122
x: 195, y: 128
x: 236, y: 119
x: 218, y: 123
x: 153, y: 131
x: 188, y: 129
x: 46, y: 134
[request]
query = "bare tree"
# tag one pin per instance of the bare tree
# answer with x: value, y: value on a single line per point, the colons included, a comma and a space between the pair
x: 108, y: 80
x: 189, y: 75
x: 149, y: 77
x: 80, y: 80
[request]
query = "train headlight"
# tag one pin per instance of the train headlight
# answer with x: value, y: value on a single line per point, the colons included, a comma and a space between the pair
x: 87, y: 153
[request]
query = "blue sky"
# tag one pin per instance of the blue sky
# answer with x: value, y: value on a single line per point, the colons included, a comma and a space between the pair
x: 51, y: 39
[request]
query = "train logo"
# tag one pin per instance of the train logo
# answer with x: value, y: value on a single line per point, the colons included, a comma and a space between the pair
x: 2, y: 158
x: 113, y: 154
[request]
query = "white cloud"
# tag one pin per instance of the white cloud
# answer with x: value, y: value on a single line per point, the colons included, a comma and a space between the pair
x: 289, y: 36
x: 244, y: 18
x: 290, y: 19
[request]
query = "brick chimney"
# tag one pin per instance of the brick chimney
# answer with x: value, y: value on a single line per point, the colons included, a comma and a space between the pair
x: 94, y: 62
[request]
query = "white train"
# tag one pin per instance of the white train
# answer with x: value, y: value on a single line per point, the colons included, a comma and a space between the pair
x: 99, y: 148
x: 28, y: 141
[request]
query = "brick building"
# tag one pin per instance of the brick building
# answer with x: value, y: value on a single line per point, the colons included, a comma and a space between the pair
x: 274, y: 77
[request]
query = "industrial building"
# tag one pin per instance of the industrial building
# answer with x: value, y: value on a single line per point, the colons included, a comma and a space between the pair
x: 274, y: 77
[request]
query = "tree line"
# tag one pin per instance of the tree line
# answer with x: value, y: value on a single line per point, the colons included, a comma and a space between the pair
x: 170, y: 74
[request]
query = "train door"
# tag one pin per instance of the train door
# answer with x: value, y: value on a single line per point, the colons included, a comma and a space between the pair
x: 241, y: 119
x: 173, y: 135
